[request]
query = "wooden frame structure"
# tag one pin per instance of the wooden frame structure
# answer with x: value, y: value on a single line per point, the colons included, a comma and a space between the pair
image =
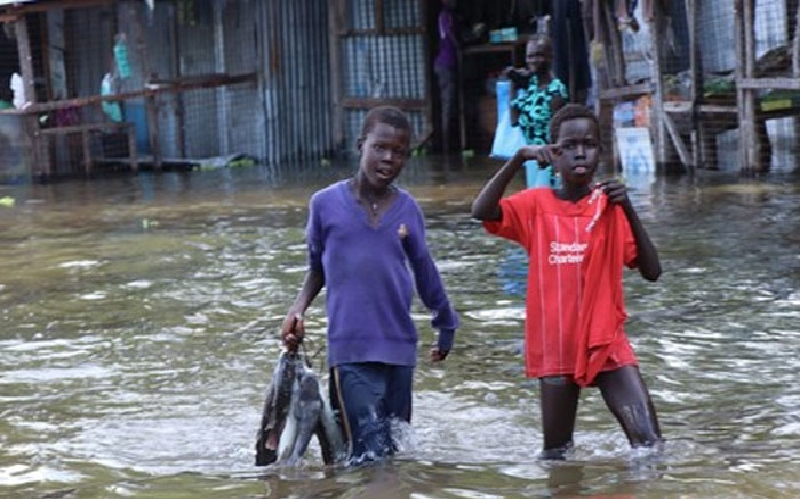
x: 39, y: 137
x: 339, y: 30
x: 673, y: 121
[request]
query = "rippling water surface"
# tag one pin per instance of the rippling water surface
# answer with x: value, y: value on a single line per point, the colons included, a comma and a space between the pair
x: 139, y: 319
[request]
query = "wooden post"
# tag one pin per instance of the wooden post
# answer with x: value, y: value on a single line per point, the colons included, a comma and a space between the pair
x: 751, y: 137
x: 25, y: 57
x: 336, y: 25
x: 696, y: 73
x: 87, y: 151
x: 614, y: 50
x: 380, y: 25
x: 39, y: 146
x: 796, y: 75
x: 426, y: 46
x: 150, y: 104
x: 132, y: 148
x: 180, y: 112
x: 738, y: 29
x: 220, y: 67
x: 659, y: 125
x: 796, y: 47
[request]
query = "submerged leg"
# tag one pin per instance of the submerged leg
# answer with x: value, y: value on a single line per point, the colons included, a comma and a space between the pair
x: 358, y: 394
x: 559, y: 403
x: 626, y: 396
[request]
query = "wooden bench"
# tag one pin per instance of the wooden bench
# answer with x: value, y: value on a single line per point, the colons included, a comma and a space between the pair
x: 43, y: 137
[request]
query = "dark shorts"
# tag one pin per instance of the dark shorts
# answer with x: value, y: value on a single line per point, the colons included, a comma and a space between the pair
x: 366, y: 398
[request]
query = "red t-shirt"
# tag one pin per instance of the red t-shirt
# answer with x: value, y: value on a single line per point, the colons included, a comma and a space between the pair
x: 553, y: 232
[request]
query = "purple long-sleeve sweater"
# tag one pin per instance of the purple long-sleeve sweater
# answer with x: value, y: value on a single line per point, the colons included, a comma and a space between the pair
x: 369, y: 285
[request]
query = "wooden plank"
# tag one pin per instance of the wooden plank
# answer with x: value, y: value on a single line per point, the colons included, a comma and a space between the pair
x: 380, y: 24
x: 718, y: 109
x: 132, y: 149
x: 221, y: 94
x: 152, y: 90
x: 738, y: 22
x: 208, y: 80
x: 678, y: 107
x: 180, y: 110
x: 685, y: 106
x: 683, y: 152
x: 345, y: 32
x: 101, y: 126
x: 614, y: 46
x: 366, y: 103
x: 656, y: 38
x: 748, y: 126
x: 29, y: 8
x: 490, y: 48
x: 696, y: 75
x: 25, y: 58
x: 87, y: 152
x: 627, y: 91
x: 796, y: 46
x: 150, y: 103
x: 429, y: 88
x: 40, y: 149
x: 336, y: 22
x: 746, y: 83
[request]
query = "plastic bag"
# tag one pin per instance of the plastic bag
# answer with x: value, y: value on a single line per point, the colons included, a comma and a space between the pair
x: 507, y: 139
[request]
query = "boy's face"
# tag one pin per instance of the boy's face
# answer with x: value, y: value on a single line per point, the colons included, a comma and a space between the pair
x: 538, y: 55
x: 383, y: 154
x: 580, y: 151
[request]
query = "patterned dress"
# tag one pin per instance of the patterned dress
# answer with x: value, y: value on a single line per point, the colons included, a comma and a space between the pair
x: 534, y: 109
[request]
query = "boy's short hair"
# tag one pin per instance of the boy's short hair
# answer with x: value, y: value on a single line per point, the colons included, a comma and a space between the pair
x: 568, y: 113
x: 389, y: 115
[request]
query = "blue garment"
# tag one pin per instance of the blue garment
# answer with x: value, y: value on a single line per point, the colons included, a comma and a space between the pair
x: 367, y: 398
x: 369, y: 285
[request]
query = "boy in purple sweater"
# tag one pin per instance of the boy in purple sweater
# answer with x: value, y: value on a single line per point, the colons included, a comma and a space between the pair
x: 363, y: 234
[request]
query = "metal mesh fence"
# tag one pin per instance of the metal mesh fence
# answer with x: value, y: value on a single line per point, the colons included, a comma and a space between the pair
x: 204, y: 83
x: 731, y: 92
x: 188, y: 84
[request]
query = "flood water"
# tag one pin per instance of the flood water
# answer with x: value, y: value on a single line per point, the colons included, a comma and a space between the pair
x: 139, y: 320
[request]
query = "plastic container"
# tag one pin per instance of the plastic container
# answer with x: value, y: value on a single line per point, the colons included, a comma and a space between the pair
x: 18, y: 88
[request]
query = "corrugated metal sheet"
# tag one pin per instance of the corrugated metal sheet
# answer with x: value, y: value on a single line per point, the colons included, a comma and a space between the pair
x: 297, y: 87
x: 385, y: 66
x: 286, y: 116
x: 244, y: 111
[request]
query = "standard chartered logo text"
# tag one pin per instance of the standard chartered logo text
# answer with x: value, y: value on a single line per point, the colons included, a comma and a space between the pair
x: 561, y: 253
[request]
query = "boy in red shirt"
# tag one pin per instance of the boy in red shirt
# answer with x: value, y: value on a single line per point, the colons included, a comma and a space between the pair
x: 578, y: 238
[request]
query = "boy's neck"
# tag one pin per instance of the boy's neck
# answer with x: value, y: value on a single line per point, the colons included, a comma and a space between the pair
x: 573, y: 193
x: 366, y: 191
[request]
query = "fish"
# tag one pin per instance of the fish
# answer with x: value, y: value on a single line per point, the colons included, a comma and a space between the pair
x: 294, y: 412
x: 276, y: 409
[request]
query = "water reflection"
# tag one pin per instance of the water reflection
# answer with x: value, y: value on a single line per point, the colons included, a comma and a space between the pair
x: 139, y: 333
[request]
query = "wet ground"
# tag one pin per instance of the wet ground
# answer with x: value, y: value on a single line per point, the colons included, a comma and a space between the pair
x: 139, y: 332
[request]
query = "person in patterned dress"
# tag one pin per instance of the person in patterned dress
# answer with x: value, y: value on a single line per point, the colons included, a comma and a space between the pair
x: 537, y: 93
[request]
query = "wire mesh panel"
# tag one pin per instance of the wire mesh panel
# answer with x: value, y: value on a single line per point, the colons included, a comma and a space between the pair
x: 736, y: 107
x: 384, y: 60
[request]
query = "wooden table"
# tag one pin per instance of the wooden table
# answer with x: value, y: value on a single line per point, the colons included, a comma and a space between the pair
x: 43, y: 136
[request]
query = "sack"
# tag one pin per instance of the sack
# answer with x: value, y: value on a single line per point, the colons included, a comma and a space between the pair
x: 507, y: 139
